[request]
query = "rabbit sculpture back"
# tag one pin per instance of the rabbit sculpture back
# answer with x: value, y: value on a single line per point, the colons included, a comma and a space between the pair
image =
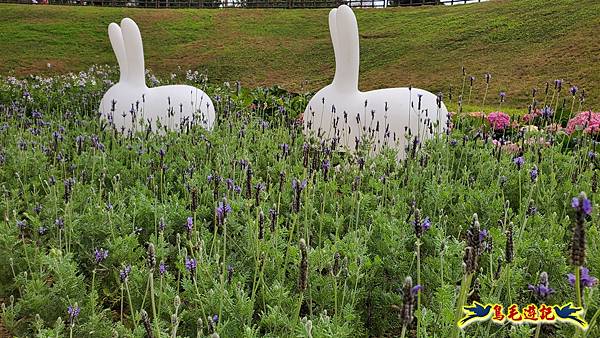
x: 130, y: 102
x: 348, y: 117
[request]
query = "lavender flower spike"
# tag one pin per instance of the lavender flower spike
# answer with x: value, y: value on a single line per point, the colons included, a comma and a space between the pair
x: 587, y: 280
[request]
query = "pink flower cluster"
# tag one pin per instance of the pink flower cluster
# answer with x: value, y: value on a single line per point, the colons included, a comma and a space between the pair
x: 498, y: 120
x: 529, y: 117
x: 510, y: 147
x: 588, y: 121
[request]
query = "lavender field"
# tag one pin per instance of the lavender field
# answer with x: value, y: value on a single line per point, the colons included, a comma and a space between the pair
x: 256, y: 230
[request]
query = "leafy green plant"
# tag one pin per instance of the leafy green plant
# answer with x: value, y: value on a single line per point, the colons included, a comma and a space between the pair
x: 258, y: 229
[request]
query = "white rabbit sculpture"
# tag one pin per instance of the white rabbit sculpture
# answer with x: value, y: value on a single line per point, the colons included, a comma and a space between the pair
x: 130, y: 101
x: 347, y: 116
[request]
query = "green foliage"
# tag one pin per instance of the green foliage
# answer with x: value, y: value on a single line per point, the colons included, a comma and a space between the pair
x: 63, y: 199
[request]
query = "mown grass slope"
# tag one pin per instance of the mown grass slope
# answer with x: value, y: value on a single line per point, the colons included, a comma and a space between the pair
x: 523, y: 43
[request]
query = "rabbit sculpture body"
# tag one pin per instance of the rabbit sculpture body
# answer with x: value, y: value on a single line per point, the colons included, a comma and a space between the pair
x: 348, y: 117
x: 129, y: 104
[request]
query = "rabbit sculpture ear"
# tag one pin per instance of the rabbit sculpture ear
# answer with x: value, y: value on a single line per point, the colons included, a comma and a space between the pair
x: 344, y: 36
x: 116, y: 41
x: 334, y: 42
x: 132, y: 40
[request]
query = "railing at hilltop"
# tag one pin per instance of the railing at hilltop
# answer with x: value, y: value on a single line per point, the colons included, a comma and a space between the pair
x: 246, y: 3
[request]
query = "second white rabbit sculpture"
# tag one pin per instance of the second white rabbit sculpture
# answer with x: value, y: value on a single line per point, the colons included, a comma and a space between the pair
x: 130, y: 101
x: 348, y: 117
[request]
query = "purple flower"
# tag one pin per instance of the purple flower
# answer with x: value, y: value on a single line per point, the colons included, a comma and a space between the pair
x: 124, y: 273
x: 79, y: 140
x: 229, y: 183
x: 426, y: 224
x: 502, y: 96
x: 534, y: 173
x: 542, y: 290
x: 285, y: 148
x: 59, y: 222
x: 189, y: 224
x: 96, y: 143
x: 222, y: 210
x: 582, y: 204
x: 558, y: 84
x: 416, y: 289
x: 483, y: 234
x: 190, y: 264
x: 519, y: 161
x: 226, y: 208
x: 547, y: 112
x: 488, y: 77
x: 42, y: 230
x: 161, y: 224
x: 586, y: 280
x: 298, y: 185
x: 573, y: 90
x: 22, y: 224
x: 100, y: 255
x: 360, y: 162
x: 22, y: 145
x: 73, y: 311
x: 592, y: 155
x: 56, y: 135
x: 162, y: 268
x: 215, y: 319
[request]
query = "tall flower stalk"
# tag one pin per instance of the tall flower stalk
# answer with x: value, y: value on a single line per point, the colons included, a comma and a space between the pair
x: 303, y: 274
x: 408, y: 303
x: 151, y: 267
x: 420, y: 226
x: 583, y: 208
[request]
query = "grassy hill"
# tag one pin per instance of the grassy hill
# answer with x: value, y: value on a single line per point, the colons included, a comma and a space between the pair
x: 523, y: 43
